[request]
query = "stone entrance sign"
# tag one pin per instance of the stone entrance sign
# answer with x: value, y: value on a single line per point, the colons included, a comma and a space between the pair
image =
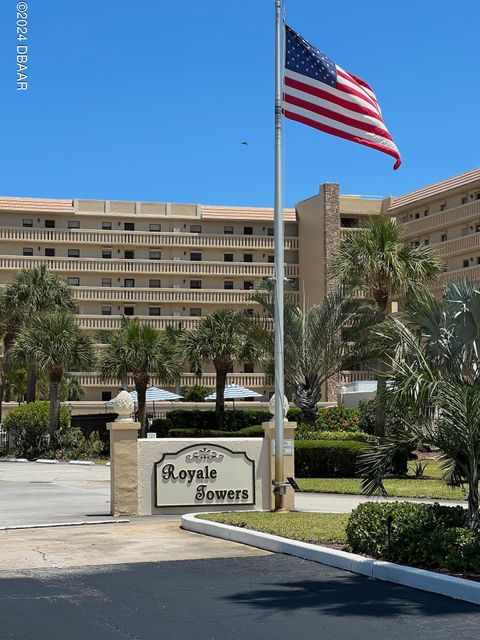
x: 204, y: 474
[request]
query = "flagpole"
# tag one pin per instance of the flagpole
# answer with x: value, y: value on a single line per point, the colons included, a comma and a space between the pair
x: 279, y: 264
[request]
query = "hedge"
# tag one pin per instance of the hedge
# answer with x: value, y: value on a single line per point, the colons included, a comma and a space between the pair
x: 235, y: 419
x: 327, y: 458
x: 305, y: 432
x: 427, y: 535
x: 248, y: 432
x: 338, y: 419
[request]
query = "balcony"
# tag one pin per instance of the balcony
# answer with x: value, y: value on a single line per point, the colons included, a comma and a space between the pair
x: 163, y: 296
x: 158, y: 267
x: 256, y: 381
x: 460, y: 245
x: 93, y: 322
x: 140, y: 238
x: 444, y: 219
x: 469, y: 273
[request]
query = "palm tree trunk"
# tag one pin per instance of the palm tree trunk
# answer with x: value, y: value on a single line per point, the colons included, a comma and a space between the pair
x: 54, y: 397
x: 2, y: 388
x: 141, y: 389
x: 31, y: 382
x: 380, y: 406
x: 473, y: 501
x: 221, y: 380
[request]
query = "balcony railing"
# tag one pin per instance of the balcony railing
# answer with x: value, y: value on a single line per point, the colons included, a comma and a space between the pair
x: 356, y: 376
x: 180, y: 267
x: 444, y: 219
x: 185, y: 296
x: 256, y: 381
x: 458, y: 245
x: 469, y: 273
x: 99, y: 323
x: 140, y: 238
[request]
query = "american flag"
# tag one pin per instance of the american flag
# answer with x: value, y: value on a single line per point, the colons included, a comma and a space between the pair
x: 319, y: 93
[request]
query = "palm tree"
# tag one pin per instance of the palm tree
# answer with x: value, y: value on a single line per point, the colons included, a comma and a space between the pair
x: 380, y: 262
x: 55, y: 342
x: 34, y: 292
x: 314, y: 350
x: 142, y: 351
x: 223, y: 338
x: 435, y: 362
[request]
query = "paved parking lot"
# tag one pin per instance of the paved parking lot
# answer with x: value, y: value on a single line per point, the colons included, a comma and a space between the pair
x: 34, y: 493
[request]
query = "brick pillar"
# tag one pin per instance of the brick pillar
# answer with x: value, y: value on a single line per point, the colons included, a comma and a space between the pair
x: 330, y: 194
x: 289, y: 459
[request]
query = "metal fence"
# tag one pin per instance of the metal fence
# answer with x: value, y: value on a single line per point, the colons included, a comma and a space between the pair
x: 4, y: 445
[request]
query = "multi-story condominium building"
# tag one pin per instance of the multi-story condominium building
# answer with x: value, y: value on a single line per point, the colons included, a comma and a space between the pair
x: 169, y: 264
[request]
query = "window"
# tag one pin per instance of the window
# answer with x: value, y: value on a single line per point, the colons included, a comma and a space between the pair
x: 50, y: 252
x: 247, y: 231
x: 154, y: 284
x: 465, y: 231
x: 106, y: 225
x: 27, y: 222
x: 427, y: 241
x: 49, y: 224
x: 195, y: 228
x: 417, y: 216
x: 477, y: 195
x: 228, y: 284
x: 195, y: 311
x: 129, y: 255
x: 74, y: 224
x: 73, y: 253
x: 477, y: 228
x: 28, y: 251
x: 248, y: 257
x: 73, y: 282
x: 466, y: 263
x: 106, y: 282
x: 443, y: 206
x: 349, y: 223
x: 128, y: 311
x: 270, y: 231
x: 106, y: 253
x: 155, y: 227
x: 155, y: 255
x: 195, y: 256
x: 443, y: 237
x: 426, y: 212
x: 464, y: 199
x: 106, y: 311
x: 129, y: 282
x: 271, y: 259
x: 195, y: 284
x: 228, y: 231
x: 129, y: 226
x: 106, y: 396
x: 248, y: 368
x: 247, y: 285
x: 154, y: 311
x: 228, y: 257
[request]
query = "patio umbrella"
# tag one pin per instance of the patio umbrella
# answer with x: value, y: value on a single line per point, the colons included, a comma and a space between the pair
x: 154, y: 394
x: 235, y: 391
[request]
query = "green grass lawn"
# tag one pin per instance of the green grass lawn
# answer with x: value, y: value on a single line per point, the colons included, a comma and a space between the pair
x: 307, y: 527
x: 431, y: 486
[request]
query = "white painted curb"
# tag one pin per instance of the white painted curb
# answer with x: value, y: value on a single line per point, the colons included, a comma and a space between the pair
x: 40, y: 461
x: 17, y: 460
x: 87, y: 463
x: 450, y: 586
x: 77, y: 523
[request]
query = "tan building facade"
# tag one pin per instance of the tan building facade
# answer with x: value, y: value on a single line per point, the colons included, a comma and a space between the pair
x: 169, y: 264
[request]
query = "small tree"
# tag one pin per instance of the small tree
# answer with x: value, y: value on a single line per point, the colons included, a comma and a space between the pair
x: 223, y: 338
x: 55, y: 343
x: 142, y: 351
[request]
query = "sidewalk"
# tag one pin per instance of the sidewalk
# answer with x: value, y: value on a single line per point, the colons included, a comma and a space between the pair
x: 344, y: 503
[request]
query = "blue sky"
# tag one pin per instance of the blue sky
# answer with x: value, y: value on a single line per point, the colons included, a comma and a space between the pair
x: 150, y: 101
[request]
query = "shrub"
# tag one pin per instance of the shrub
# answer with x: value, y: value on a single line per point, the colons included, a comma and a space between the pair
x: 28, y: 425
x: 463, y: 549
x: 196, y: 393
x: 338, y: 419
x: 248, y: 432
x: 327, y: 459
x: 294, y: 414
x: 310, y: 432
x: 71, y: 444
x: 235, y: 419
x: 409, y: 533
x: 161, y: 427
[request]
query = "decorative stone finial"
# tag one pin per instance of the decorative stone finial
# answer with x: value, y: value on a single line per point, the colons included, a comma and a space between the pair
x: 124, y: 406
x: 286, y: 406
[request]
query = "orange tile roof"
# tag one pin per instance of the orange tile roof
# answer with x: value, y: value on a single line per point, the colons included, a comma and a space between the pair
x: 245, y: 213
x: 437, y: 188
x: 40, y: 205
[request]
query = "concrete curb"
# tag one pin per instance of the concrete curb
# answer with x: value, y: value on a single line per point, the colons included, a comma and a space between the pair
x: 85, y: 463
x: 78, y: 523
x: 450, y: 586
x: 41, y: 461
